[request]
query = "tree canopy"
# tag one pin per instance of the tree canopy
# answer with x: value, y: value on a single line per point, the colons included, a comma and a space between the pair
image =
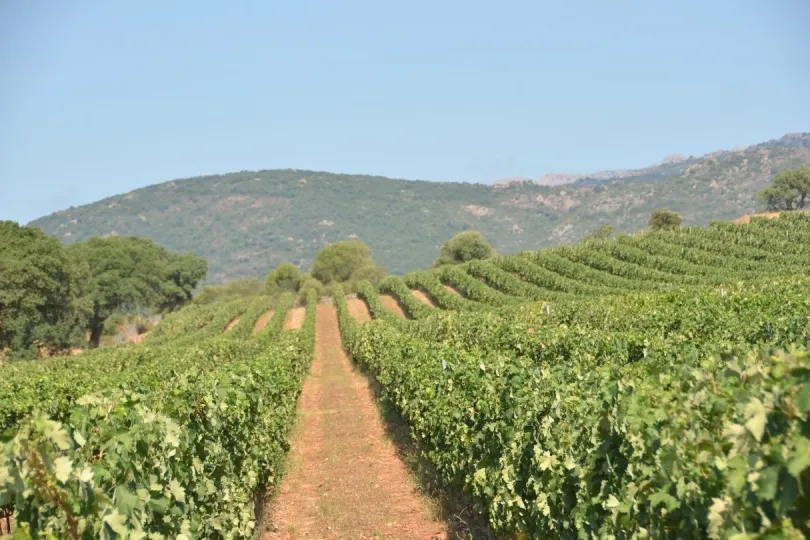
x: 39, y: 291
x: 308, y: 282
x: 663, y: 219
x: 463, y: 247
x: 129, y: 273
x: 338, y: 261
x: 789, y: 190
x: 285, y: 277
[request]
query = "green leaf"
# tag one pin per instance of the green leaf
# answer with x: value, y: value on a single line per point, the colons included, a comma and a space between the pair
x: 768, y: 482
x: 160, y: 505
x: 172, y: 433
x: 126, y: 501
x: 59, y: 435
x: 62, y: 467
x: 737, y: 474
x: 757, y: 418
x: 662, y: 497
x: 177, y: 491
x: 716, y: 511
x: 799, y: 458
x: 116, y: 522
x: 803, y: 398
x: 86, y: 474
x: 79, y: 438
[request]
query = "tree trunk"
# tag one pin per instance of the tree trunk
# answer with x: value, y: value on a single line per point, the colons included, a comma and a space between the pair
x: 96, y: 329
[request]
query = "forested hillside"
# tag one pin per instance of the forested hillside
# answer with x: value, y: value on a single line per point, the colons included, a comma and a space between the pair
x: 244, y: 223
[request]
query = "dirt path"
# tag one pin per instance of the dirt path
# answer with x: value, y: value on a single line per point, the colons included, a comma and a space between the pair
x: 231, y: 324
x: 422, y: 297
x: 392, y: 305
x: 358, y: 309
x: 295, y: 318
x: 344, y: 479
x: 262, y: 321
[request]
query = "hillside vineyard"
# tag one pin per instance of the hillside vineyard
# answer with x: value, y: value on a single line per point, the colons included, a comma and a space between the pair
x: 655, y: 385
x: 658, y: 387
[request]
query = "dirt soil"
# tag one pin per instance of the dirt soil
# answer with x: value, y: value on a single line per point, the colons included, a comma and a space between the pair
x: 358, y: 309
x: 769, y: 215
x: 262, y: 322
x: 295, y: 318
x: 231, y: 324
x: 452, y: 290
x: 392, y: 305
x: 422, y: 297
x: 344, y: 479
x: 747, y: 219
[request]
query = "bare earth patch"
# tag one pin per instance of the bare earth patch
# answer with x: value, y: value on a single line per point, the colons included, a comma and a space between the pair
x: 231, y: 324
x: 295, y: 318
x: 767, y: 215
x: 358, y: 309
x: 392, y: 305
x: 452, y: 290
x: 747, y: 218
x: 262, y: 322
x: 422, y: 297
x: 344, y: 479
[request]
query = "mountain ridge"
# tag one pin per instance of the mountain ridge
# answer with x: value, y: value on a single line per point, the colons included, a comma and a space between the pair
x: 554, y: 179
x: 245, y: 223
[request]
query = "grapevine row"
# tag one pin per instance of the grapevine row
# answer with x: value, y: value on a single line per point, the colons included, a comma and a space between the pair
x: 598, y: 439
x: 182, y: 456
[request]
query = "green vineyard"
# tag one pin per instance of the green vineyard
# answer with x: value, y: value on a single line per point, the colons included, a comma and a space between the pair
x: 654, y: 385
x: 174, y: 438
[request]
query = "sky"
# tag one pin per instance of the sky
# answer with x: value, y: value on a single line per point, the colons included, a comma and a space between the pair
x: 99, y: 98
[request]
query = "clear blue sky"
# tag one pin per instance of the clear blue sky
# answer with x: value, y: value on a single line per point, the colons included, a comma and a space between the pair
x: 98, y: 98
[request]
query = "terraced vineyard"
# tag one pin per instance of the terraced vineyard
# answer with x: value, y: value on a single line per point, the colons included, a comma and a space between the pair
x: 655, y: 385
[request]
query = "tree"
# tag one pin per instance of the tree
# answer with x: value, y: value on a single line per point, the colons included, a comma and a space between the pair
x: 39, y: 292
x: 662, y: 220
x: 374, y: 274
x: 284, y: 278
x: 308, y: 282
x: 337, y: 262
x: 789, y: 190
x: 183, y: 272
x: 602, y: 233
x: 128, y: 273
x: 463, y: 247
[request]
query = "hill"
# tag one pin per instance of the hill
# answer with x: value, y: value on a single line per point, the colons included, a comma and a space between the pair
x: 244, y: 223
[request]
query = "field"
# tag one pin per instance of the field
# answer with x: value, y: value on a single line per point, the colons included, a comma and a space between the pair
x: 653, y: 385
